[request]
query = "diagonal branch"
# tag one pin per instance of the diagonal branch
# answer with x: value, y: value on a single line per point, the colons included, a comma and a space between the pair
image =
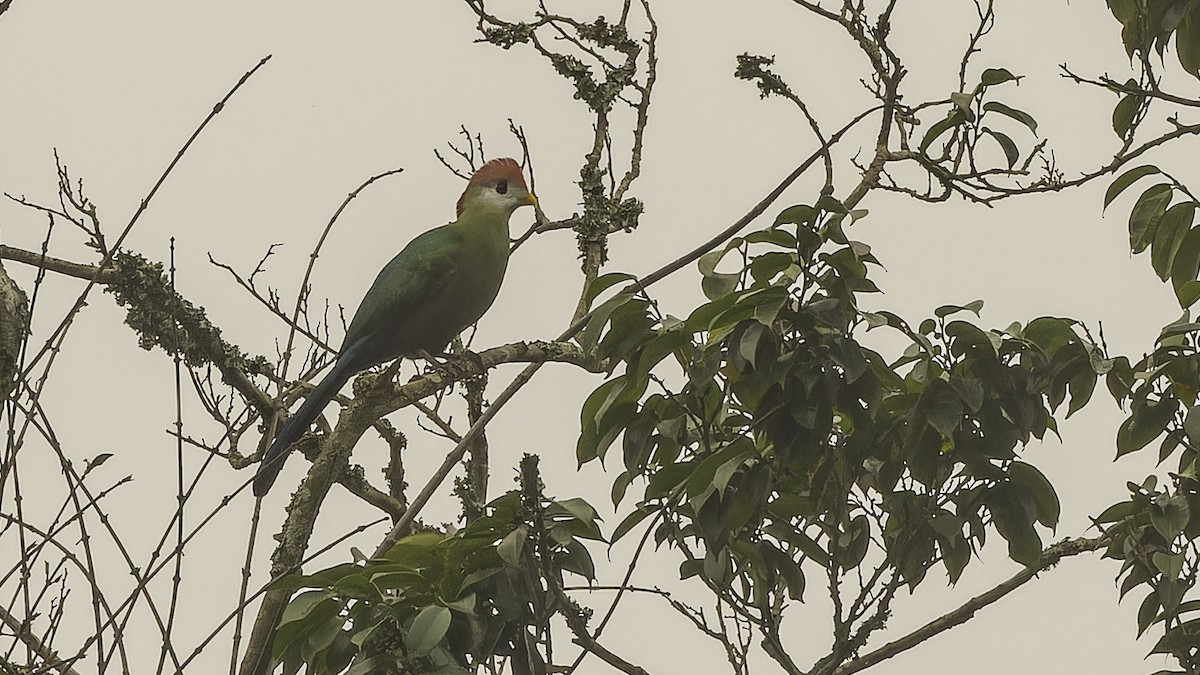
x: 20, y: 629
x: 1050, y: 557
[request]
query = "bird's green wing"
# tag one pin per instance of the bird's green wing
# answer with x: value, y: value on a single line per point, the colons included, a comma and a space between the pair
x: 413, y: 278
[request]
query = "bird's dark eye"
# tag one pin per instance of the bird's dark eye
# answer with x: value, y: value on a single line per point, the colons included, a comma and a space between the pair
x: 502, y: 187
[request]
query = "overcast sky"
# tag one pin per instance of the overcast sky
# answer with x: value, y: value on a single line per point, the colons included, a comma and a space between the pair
x: 357, y: 88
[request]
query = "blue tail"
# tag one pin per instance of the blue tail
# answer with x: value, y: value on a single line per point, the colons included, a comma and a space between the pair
x: 297, y: 424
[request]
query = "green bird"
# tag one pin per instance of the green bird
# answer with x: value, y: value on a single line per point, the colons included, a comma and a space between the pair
x: 442, y: 282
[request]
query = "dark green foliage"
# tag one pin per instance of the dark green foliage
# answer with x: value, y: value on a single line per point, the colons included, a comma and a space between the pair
x: 1153, y: 533
x: 442, y: 602
x: 1147, y: 27
x: 1165, y: 229
x: 772, y: 442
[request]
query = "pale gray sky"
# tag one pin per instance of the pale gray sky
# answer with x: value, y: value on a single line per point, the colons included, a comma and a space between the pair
x: 356, y: 88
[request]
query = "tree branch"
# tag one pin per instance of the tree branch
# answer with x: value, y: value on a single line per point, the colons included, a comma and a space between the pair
x: 21, y: 631
x: 59, y: 266
x: 1050, y: 557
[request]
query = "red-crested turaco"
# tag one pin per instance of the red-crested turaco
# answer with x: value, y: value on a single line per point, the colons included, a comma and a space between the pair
x: 442, y: 282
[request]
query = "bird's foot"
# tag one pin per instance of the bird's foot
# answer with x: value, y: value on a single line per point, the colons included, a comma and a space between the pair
x: 443, y: 362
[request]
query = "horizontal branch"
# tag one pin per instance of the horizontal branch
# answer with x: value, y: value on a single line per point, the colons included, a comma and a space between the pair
x: 454, y: 370
x: 162, y: 317
x: 58, y: 265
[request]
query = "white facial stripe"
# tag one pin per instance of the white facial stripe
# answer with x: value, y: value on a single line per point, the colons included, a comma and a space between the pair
x: 510, y: 200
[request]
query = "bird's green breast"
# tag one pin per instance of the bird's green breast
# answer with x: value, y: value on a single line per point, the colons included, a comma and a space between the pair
x: 442, y: 282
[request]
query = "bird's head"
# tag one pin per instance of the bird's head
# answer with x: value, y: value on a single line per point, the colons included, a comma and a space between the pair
x: 497, y: 186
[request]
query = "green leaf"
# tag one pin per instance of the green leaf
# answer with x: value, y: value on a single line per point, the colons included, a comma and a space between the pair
x: 428, y: 629
x: 831, y: 204
x: 800, y: 214
x: 734, y: 454
x: 1172, y: 228
x: 852, y: 544
x: 1125, y: 180
x: 955, y: 118
x: 1187, y: 41
x: 1124, y: 113
x: 374, y: 664
x: 1191, y: 425
x: 717, y: 284
x: 631, y: 521
x: 1186, y: 263
x: 1173, y: 14
x: 1012, y: 522
x: 306, y: 604
x: 578, y: 560
x: 666, y: 479
x: 778, y: 237
x: 619, y: 486
x: 512, y: 546
x: 605, y: 413
x: 1120, y: 379
x: 970, y: 389
x: 1117, y: 512
x: 767, y: 303
x: 955, y: 556
x: 1147, y: 612
x: 1147, y: 422
x: 1181, y: 638
x: 590, y: 337
x: 994, y: 76
x: 1011, y: 153
x: 1018, y: 115
x: 947, y: 310
x: 1171, y: 566
x: 1081, y: 386
x: 1045, y: 499
x: 943, y: 408
x: 1050, y: 333
x: 1170, y: 517
x: 790, y: 571
x: 796, y: 537
x: 766, y: 266
x: 604, y: 281
x: 1143, y: 220
x: 1188, y: 294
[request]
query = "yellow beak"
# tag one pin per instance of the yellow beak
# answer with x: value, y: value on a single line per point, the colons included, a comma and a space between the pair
x: 532, y: 200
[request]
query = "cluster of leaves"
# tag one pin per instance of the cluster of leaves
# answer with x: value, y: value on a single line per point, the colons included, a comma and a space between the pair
x: 1165, y: 229
x: 966, y: 117
x: 442, y: 603
x: 788, y: 442
x: 1148, y: 25
x: 1154, y: 532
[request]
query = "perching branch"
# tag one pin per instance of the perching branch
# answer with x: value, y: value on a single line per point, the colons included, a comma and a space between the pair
x: 523, y: 378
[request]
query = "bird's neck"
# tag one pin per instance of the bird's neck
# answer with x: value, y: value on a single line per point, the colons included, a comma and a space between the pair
x: 485, y: 223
